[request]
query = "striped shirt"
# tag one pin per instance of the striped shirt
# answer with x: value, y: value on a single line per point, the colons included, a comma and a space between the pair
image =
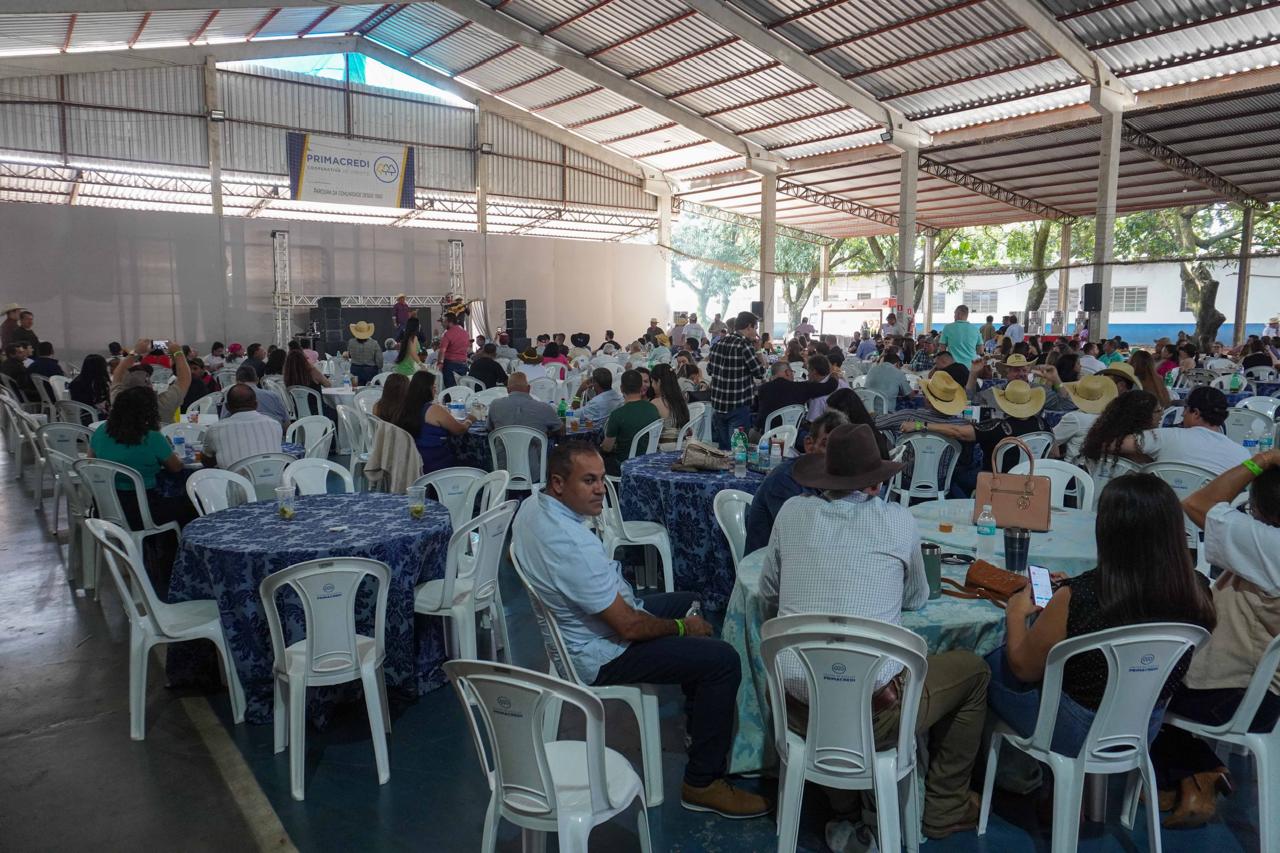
x: 733, y: 369
x: 242, y: 435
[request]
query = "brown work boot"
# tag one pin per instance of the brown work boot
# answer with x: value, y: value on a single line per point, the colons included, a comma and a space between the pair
x: 967, y: 821
x: 725, y: 800
x: 1198, y: 799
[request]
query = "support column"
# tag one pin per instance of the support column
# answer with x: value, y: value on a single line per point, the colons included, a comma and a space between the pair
x: 1105, y: 214
x: 212, y: 135
x: 482, y: 172
x: 907, y: 232
x: 1064, y: 280
x: 1242, y: 284
x: 664, y: 243
x: 768, y: 246
x: 927, y: 308
x: 824, y: 269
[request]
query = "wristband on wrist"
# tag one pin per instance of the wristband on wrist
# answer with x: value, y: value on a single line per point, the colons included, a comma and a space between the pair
x: 680, y: 627
x: 1252, y: 467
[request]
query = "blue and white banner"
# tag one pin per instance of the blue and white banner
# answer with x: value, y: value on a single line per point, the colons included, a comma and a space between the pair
x: 349, y: 171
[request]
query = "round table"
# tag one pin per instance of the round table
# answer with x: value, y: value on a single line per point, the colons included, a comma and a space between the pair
x: 225, y: 556
x: 945, y: 623
x: 683, y: 502
x: 1069, y: 546
x: 471, y: 448
x: 1051, y: 417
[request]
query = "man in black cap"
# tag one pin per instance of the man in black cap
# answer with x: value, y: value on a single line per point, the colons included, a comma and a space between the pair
x: 848, y: 552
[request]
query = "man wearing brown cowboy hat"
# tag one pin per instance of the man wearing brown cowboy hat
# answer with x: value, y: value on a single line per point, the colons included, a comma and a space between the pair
x: 10, y: 324
x: 847, y: 552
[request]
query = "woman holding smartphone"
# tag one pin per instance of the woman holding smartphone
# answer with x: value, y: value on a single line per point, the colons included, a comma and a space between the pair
x: 1144, y: 574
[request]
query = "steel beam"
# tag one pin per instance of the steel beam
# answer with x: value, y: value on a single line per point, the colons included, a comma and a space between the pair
x: 744, y: 221
x: 511, y: 29
x: 905, y: 132
x: 845, y: 205
x: 1161, y: 153
x: 991, y: 190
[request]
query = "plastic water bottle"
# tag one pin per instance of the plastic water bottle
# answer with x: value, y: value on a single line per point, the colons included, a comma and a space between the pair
x: 1252, y: 440
x: 180, y: 448
x: 986, y: 534
x: 776, y: 452
x: 739, y: 453
x: 695, y: 609
x: 763, y: 458
x: 1267, y: 442
x: 562, y: 409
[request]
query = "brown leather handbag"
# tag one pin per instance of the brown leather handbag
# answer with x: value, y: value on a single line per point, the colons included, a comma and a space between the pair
x: 989, y: 582
x: 1016, y: 500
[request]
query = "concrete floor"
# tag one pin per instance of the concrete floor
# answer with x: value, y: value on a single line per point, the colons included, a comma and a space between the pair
x: 73, y: 779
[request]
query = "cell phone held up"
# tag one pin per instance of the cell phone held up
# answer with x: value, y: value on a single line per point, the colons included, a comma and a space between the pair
x: 1041, y: 585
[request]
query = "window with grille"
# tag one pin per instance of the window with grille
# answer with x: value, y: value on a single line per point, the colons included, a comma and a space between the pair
x: 1050, y: 303
x: 1128, y: 299
x: 939, y: 303
x: 981, y: 301
x: 863, y: 294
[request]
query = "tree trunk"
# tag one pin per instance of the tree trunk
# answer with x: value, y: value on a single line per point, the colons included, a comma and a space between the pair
x: 797, y: 296
x: 1040, y: 276
x: 1198, y: 282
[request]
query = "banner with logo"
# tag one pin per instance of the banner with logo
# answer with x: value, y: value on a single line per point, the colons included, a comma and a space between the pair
x: 349, y: 171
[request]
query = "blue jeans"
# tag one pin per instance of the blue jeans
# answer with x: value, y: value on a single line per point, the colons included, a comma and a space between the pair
x: 723, y: 425
x: 707, y: 669
x: 1018, y: 704
x: 363, y: 373
x: 451, y: 370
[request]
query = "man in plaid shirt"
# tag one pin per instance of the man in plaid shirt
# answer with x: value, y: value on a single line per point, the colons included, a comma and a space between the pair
x: 734, y: 368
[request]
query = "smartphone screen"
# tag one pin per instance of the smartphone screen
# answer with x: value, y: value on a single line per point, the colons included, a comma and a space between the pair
x: 1041, y: 588
x: 159, y: 344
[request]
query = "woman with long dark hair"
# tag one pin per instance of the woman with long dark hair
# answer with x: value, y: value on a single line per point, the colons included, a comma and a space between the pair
x: 1130, y: 414
x: 430, y: 423
x: 1144, y: 574
x: 669, y: 400
x: 299, y: 371
x: 848, y: 403
x: 1144, y: 367
x: 275, y: 362
x: 92, y: 386
x: 408, y: 357
x: 394, y: 387
x: 1068, y: 366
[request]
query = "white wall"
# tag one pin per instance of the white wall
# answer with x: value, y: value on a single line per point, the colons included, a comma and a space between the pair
x: 93, y: 275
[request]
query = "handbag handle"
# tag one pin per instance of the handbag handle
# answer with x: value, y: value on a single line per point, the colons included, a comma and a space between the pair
x: 1017, y: 442
x: 970, y: 592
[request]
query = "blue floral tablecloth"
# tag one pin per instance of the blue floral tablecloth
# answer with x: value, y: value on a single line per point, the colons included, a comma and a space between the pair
x: 471, y: 448
x: 225, y: 556
x: 683, y: 503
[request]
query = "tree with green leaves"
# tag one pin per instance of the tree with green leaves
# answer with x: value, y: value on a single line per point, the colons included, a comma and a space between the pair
x: 724, y: 254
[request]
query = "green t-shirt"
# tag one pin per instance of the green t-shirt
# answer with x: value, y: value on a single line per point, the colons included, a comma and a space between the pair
x: 626, y: 422
x: 962, y: 339
x: 408, y: 367
x: 146, y: 457
x: 1111, y: 358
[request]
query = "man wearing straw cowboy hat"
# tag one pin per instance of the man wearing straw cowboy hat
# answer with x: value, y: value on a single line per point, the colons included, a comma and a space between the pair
x: 1021, y: 405
x: 944, y: 401
x: 848, y: 553
x: 364, y: 352
x: 10, y: 324
x: 1272, y: 329
x: 1121, y: 373
x: 1092, y: 395
x: 1015, y: 367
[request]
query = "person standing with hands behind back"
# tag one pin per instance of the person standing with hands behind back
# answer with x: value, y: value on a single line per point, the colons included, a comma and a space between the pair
x: 734, y: 368
x: 614, y: 638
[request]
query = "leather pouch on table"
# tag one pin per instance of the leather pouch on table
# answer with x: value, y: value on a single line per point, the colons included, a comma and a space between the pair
x: 987, y: 581
x: 698, y: 456
x: 1016, y: 500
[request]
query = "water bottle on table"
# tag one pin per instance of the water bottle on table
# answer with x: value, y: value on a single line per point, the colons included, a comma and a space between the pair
x: 1267, y: 442
x: 1252, y: 440
x: 739, y: 453
x: 986, y: 524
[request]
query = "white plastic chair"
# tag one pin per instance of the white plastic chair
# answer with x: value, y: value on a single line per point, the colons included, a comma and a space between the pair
x: 264, y: 470
x: 514, y: 443
x: 307, y: 402
x: 332, y: 652
x: 315, y: 433
x: 1233, y: 383
x: 470, y: 583
x: 459, y: 488
x: 1263, y: 746
x: 209, y: 404
x: 71, y: 440
x: 556, y: 371
x: 1040, y: 442
x: 153, y: 622
x: 1262, y: 374
x: 191, y: 433
x: 1139, y: 659
x: 876, y: 403
x: 692, y: 430
x: 787, y: 434
x: 365, y: 398
x: 82, y: 552
x: 934, y: 462
x: 1172, y: 416
x: 731, y: 506
x: 544, y: 388
x: 1194, y: 378
x: 786, y: 416
x: 563, y: 786
x: 617, y: 533
x: 353, y: 423
x: 71, y: 412
x: 60, y: 383
x: 838, y: 747
x: 1266, y: 405
x: 100, y: 476
x: 1185, y: 480
x: 1061, y: 476
x: 1240, y: 422
x: 703, y: 412
x: 311, y: 476
x: 456, y: 394
x: 45, y: 390
x: 376, y: 382
x: 470, y: 383
x: 486, y: 396
x: 209, y: 490
x: 646, y: 440
x: 642, y: 699
x: 28, y: 426
x: 1104, y: 471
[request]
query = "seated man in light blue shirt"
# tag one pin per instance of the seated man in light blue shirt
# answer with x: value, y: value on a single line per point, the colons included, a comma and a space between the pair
x: 613, y: 638
x: 606, y: 399
x: 269, y: 402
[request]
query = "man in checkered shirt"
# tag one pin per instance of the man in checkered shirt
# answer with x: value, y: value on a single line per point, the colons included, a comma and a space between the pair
x: 734, y: 367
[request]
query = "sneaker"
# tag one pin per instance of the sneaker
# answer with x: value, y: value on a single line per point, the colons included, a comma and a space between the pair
x: 725, y: 800
x: 845, y: 836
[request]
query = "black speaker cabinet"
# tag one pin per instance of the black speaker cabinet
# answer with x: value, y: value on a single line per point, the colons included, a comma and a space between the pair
x: 1091, y: 296
x: 757, y: 308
